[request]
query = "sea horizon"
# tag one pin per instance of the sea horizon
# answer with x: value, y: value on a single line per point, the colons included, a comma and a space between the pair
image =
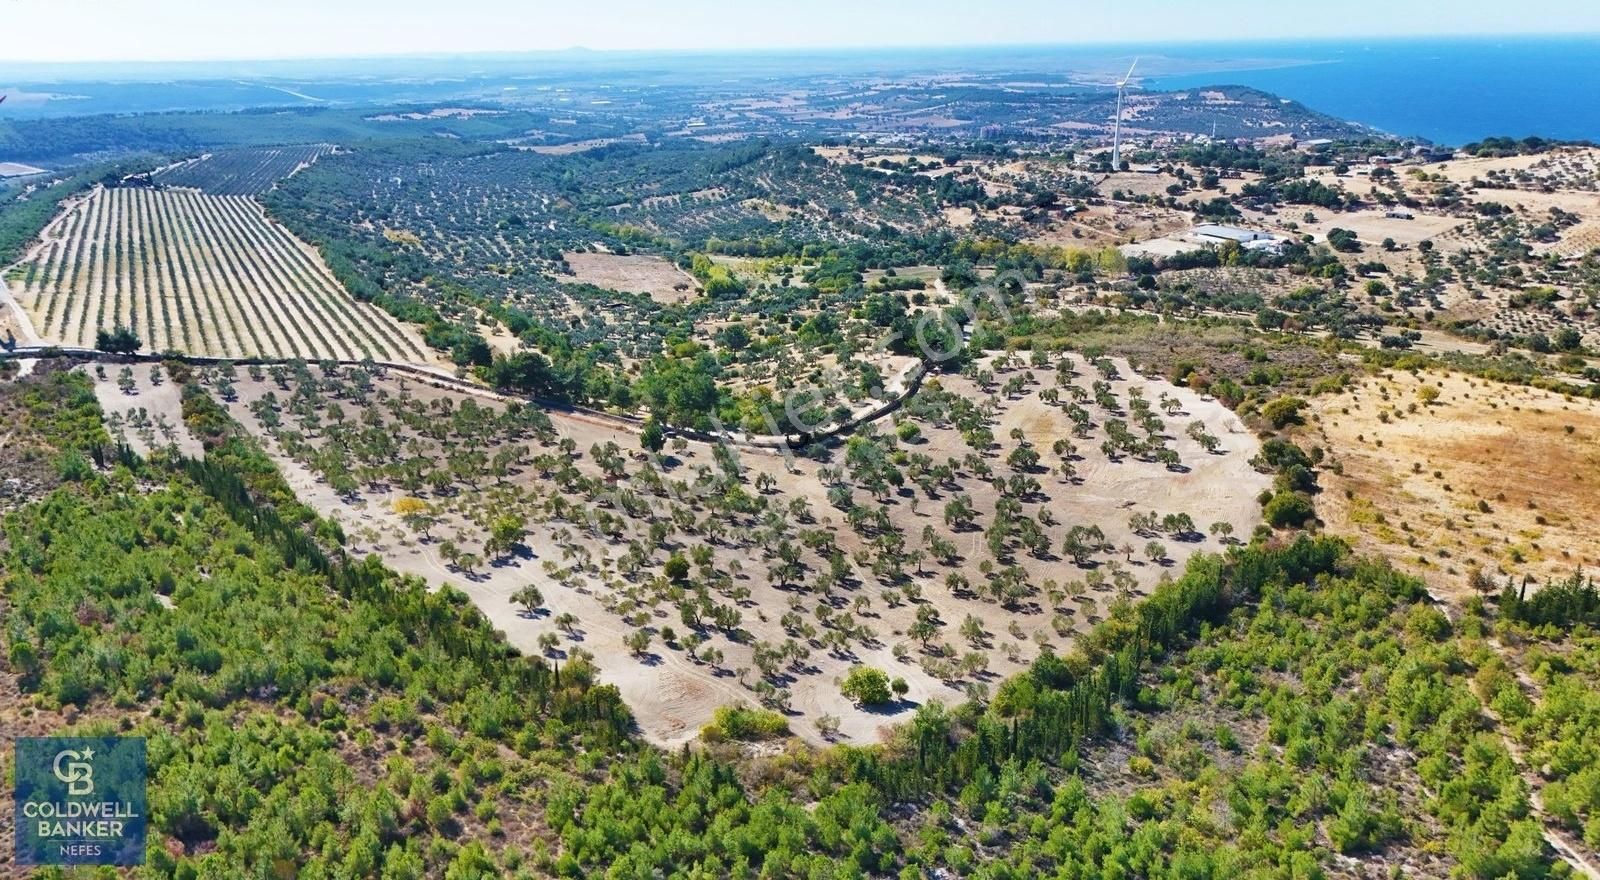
x: 1448, y: 90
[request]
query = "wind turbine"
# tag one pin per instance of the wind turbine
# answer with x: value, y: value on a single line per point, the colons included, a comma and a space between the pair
x: 1116, y: 137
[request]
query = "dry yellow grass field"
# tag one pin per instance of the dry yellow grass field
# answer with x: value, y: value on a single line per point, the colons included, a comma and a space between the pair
x: 1499, y: 477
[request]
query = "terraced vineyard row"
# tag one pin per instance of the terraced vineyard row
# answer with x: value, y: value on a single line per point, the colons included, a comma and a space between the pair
x: 200, y: 274
x: 241, y: 172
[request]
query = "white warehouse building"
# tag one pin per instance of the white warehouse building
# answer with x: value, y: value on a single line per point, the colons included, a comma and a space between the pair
x: 1238, y: 235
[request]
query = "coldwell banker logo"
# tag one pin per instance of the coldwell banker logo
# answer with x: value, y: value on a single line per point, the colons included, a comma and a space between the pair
x: 79, y: 774
x: 80, y: 800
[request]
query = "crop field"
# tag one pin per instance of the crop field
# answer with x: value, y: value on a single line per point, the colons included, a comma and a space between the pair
x: 201, y: 274
x: 241, y: 172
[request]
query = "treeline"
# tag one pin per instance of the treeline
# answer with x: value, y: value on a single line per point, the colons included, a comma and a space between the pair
x: 1500, y: 147
x: 1275, y: 165
x: 65, y: 139
x: 996, y: 792
x: 1056, y: 706
x: 1563, y: 604
x: 718, y: 280
x: 1033, y: 260
x: 309, y: 714
x: 1296, y: 192
x: 1314, y: 261
x: 1207, y: 257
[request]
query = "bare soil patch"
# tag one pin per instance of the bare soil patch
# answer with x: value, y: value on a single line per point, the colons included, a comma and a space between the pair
x: 634, y: 273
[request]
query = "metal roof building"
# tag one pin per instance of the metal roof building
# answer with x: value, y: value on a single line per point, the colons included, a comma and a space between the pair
x: 1230, y: 233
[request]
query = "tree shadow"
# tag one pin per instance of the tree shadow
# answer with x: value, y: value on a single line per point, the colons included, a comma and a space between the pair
x: 893, y: 707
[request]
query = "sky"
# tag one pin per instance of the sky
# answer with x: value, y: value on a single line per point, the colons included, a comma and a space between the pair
x: 184, y: 30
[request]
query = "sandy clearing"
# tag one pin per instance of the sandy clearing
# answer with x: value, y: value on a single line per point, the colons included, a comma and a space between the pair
x: 1373, y: 226
x: 583, y: 146
x: 145, y: 410
x: 1583, y: 203
x: 14, y: 319
x: 1542, y: 166
x: 17, y: 169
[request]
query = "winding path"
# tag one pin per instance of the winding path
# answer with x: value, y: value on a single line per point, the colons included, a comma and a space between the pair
x: 899, y: 389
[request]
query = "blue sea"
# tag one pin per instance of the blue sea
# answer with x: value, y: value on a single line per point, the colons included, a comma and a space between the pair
x: 1450, y: 91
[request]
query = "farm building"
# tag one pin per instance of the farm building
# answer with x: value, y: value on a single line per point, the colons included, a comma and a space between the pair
x: 1214, y: 233
x: 1248, y: 239
x: 1271, y: 245
x: 1210, y: 235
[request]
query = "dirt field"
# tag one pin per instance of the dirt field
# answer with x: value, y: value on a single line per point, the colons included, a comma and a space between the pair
x: 148, y: 418
x: 1585, y: 204
x: 1102, y: 225
x: 583, y: 146
x: 17, y: 169
x: 14, y: 323
x: 1138, y: 183
x: 1372, y: 227
x: 634, y: 273
x: 438, y: 113
x: 1563, y: 168
x: 1488, y: 476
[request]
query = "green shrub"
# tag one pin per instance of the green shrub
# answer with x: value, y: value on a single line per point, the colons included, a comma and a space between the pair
x: 1283, y: 412
x: 1288, y: 510
x: 744, y: 724
x: 866, y: 685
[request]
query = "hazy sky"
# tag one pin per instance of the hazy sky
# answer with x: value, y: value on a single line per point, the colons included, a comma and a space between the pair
x: 106, y: 30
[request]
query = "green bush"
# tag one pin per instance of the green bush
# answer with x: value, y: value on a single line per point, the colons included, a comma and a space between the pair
x: 866, y: 685
x: 1289, y: 510
x: 744, y: 724
x: 1283, y: 412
